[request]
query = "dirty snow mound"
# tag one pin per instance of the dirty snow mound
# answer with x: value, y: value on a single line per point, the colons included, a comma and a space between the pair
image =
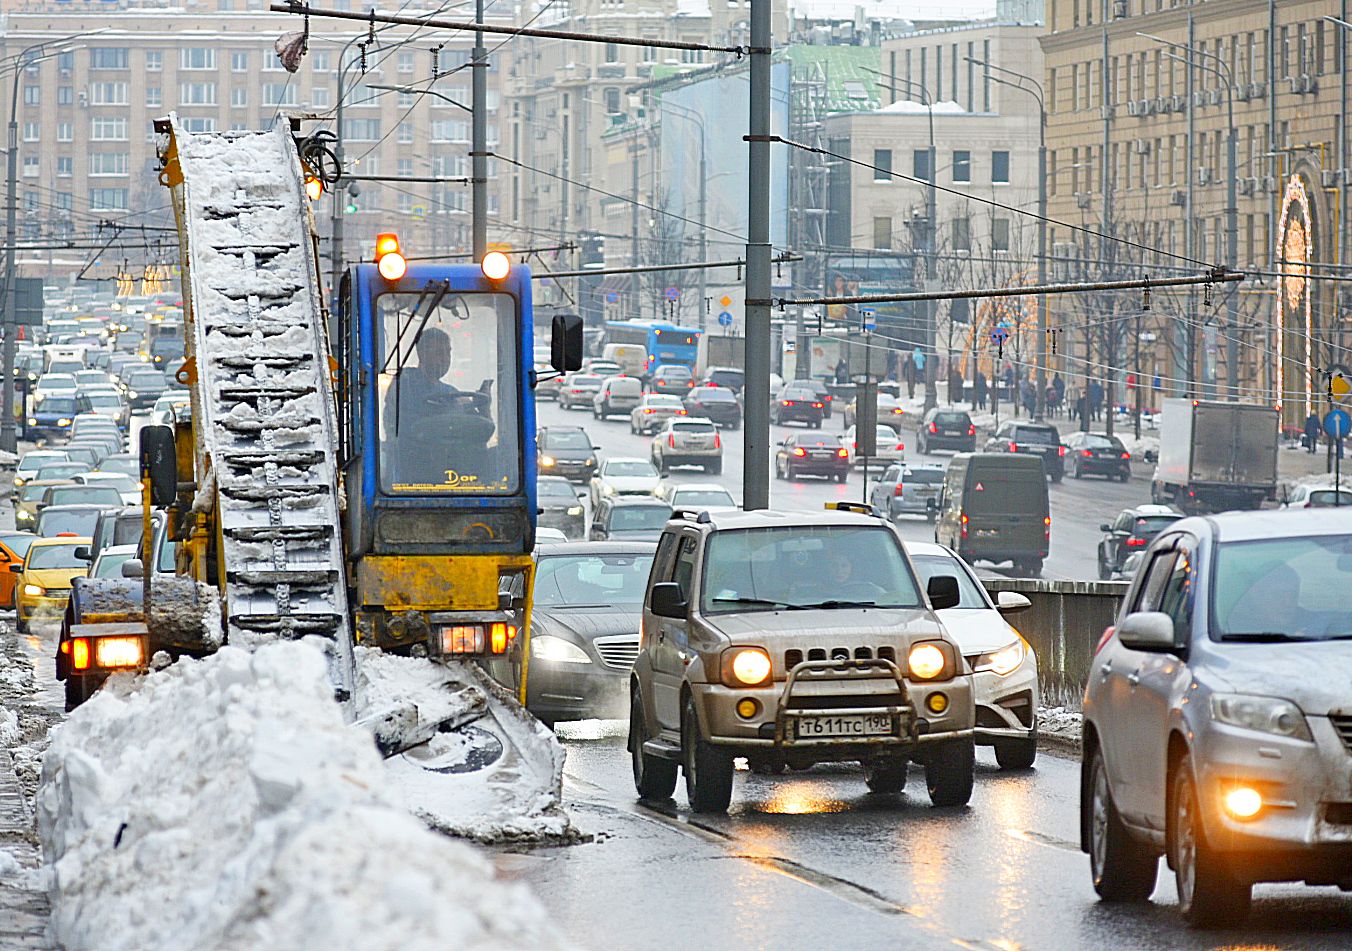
x: 224, y: 803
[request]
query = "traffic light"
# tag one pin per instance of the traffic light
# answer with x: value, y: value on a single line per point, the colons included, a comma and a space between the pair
x: 352, y: 192
x: 390, y: 261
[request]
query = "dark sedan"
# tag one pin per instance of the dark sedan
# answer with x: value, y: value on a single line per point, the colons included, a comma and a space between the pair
x: 567, y: 451
x: 560, y: 507
x: 946, y: 429
x: 1096, y: 454
x: 672, y: 379
x: 577, y: 391
x: 716, y: 403
x: 51, y: 417
x: 629, y: 518
x: 584, y: 628
x: 801, y: 455
x: 798, y: 402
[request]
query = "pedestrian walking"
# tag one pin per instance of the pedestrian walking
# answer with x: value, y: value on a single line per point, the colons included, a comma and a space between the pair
x: 979, y: 391
x: 1095, y: 399
x: 1312, y: 429
x: 955, y: 385
x: 908, y: 371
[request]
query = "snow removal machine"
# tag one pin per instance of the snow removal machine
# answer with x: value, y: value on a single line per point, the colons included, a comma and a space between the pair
x: 363, y: 473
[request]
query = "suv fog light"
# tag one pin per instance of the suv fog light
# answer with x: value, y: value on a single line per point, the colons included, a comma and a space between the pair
x: 1243, y: 802
x: 747, y: 708
x: 936, y: 702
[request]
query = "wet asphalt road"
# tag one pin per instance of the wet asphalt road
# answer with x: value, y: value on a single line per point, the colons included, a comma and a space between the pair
x: 1079, y: 506
x: 814, y: 861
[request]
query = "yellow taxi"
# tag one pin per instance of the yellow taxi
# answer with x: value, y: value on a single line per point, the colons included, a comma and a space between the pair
x: 46, y: 574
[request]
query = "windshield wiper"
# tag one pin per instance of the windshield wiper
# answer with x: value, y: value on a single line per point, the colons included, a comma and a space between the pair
x: 1263, y: 637
x: 761, y: 602
x: 841, y: 604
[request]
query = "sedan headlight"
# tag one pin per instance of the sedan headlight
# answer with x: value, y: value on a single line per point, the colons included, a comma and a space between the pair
x: 607, y: 489
x: 1260, y: 714
x: 131, y: 393
x: 32, y: 421
x: 555, y: 650
x: 591, y: 461
x: 1004, y: 661
x: 547, y: 461
x: 930, y: 660
x: 575, y: 510
x: 63, y: 421
x: 34, y: 590
x: 746, y: 667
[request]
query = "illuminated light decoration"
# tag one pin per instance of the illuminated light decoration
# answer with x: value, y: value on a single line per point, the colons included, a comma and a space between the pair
x: 496, y: 265
x: 1295, y: 248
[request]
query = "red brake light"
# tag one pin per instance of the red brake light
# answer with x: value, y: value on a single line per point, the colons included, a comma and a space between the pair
x: 816, y: 405
x: 671, y: 440
x: 1060, y: 450
x: 1135, y: 542
x: 786, y: 402
x: 896, y: 490
x: 1087, y: 453
x: 1047, y: 520
x: 971, y: 430
x: 648, y: 409
x: 965, y: 519
x: 799, y: 451
x: 1013, y: 447
x: 1126, y: 455
x: 934, y: 427
x: 843, y: 453
x: 718, y: 441
x: 901, y: 447
x: 682, y: 412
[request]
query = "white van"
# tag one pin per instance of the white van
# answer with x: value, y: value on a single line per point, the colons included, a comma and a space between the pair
x: 632, y: 358
x: 618, y: 395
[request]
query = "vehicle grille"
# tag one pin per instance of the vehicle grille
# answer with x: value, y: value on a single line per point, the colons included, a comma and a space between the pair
x: 1343, y: 724
x: 618, y: 651
x: 861, y: 701
x: 794, y: 657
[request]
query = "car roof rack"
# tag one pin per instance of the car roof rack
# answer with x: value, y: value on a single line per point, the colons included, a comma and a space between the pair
x: 701, y: 517
x: 859, y: 508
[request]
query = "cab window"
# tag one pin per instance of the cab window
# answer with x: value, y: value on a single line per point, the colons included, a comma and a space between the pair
x: 684, y: 574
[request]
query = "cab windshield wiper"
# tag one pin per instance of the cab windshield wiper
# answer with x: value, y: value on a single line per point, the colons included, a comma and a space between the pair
x: 841, y: 604
x: 762, y: 602
x: 1263, y: 637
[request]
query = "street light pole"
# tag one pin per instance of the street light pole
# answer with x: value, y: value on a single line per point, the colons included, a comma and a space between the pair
x: 756, y: 394
x: 479, y: 145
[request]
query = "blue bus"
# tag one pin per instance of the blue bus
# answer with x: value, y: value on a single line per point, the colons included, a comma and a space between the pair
x: 666, y: 343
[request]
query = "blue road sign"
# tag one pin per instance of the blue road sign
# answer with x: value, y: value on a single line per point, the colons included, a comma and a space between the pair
x: 612, y: 297
x: 868, y: 316
x: 999, y: 335
x: 1337, y: 423
x: 725, y: 319
x: 673, y: 293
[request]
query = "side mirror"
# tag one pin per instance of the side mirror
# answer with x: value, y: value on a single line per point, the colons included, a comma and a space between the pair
x: 1105, y: 527
x: 565, y: 344
x: 666, y: 600
x: 1011, y: 602
x: 159, y: 460
x: 943, y: 592
x: 132, y: 568
x: 16, y: 568
x: 82, y: 553
x: 1151, y: 631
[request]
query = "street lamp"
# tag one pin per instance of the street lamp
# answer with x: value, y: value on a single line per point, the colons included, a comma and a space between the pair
x: 1036, y: 91
x: 1222, y: 70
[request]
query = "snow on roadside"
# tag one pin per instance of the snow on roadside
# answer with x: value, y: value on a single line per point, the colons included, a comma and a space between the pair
x: 224, y: 803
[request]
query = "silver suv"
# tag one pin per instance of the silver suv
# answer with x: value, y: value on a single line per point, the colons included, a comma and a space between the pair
x: 1218, y: 715
x: 793, y: 639
x: 688, y: 442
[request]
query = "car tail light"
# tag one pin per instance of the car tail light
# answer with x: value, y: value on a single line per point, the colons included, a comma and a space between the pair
x: 964, y: 521
x: 682, y: 412
x: 800, y: 451
x: 854, y: 446
x: 1126, y: 455
x: 901, y: 447
x: 647, y: 409
x: 1060, y: 450
x: 1135, y: 542
x: 671, y: 440
x: 971, y: 430
x: 1047, y: 526
x: 1087, y: 453
x: 1103, y: 641
x: 689, y: 382
x: 934, y: 427
x: 718, y: 441
x: 1013, y: 447
x: 786, y: 402
x: 897, y: 489
x: 817, y: 406
x: 842, y: 454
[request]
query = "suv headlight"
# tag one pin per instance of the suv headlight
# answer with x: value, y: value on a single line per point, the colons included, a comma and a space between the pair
x: 746, y: 667
x: 555, y: 650
x: 34, y: 590
x: 930, y: 660
x: 1260, y: 714
x: 1004, y: 661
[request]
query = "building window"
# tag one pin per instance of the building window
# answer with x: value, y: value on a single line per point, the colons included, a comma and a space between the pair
x: 239, y: 96
x: 65, y: 132
x: 108, y: 94
x: 405, y: 62
x: 319, y: 96
x: 281, y: 94
x: 882, y: 233
x: 65, y: 166
x: 450, y: 130
x: 108, y: 163
x: 154, y: 96
x: 319, y: 61
x: 107, y: 199
x: 404, y: 167
x: 612, y: 97
x: 404, y: 136
x: 32, y: 95
x: 361, y: 130
x: 405, y: 203
x: 108, y: 129
x: 199, y: 125
x: 154, y: 61
x: 962, y: 166
x: 1000, y: 234
x: 1000, y: 167
x: 197, y: 57
x: 962, y: 234
x: 239, y: 61
x: 920, y: 164
x: 65, y: 95
x: 404, y: 100
x: 882, y: 165
x: 108, y: 57
x: 32, y: 166
x: 32, y: 131
x: 612, y: 53
x: 197, y: 94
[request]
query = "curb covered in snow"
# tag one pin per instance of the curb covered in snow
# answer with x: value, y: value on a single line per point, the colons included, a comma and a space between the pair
x: 224, y: 803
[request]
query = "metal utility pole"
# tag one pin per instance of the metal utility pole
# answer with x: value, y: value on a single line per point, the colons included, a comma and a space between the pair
x: 756, y: 393
x: 8, y: 440
x: 479, y: 140
x: 931, y: 259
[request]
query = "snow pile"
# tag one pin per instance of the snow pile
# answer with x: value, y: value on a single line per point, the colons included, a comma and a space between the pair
x: 945, y: 107
x: 1060, y: 724
x: 10, y: 734
x: 466, y: 758
x: 224, y: 803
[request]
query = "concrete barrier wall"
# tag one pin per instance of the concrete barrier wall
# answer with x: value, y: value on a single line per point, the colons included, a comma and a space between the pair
x: 1064, y: 626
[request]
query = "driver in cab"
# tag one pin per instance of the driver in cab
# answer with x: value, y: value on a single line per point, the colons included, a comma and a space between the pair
x: 439, y: 432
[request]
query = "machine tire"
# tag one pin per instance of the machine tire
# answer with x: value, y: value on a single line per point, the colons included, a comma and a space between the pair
x: 950, y: 773
x: 715, y: 469
x: 1016, y: 754
x: 75, y: 694
x: 1034, y: 567
x: 886, y: 778
x: 708, y: 770
x: 779, y: 472
x: 1124, y: 477
x: 1208, y: 894
x: 1077, y: 473
x: 817, y: 424
x: 1057, y: 477
x: 654, y: 778
x: 1123, y: 869
x: 842, y: 477
x: 1104, y: 572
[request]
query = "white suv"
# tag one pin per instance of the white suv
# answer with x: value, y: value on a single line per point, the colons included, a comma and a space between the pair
x: 688, y: 442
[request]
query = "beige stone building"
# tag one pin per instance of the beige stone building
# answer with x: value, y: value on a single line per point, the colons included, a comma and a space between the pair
x: 87, y: 151
x: 1139, y: 149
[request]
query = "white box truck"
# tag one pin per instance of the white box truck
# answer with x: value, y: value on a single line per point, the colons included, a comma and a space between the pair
x: 1216, y: 456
